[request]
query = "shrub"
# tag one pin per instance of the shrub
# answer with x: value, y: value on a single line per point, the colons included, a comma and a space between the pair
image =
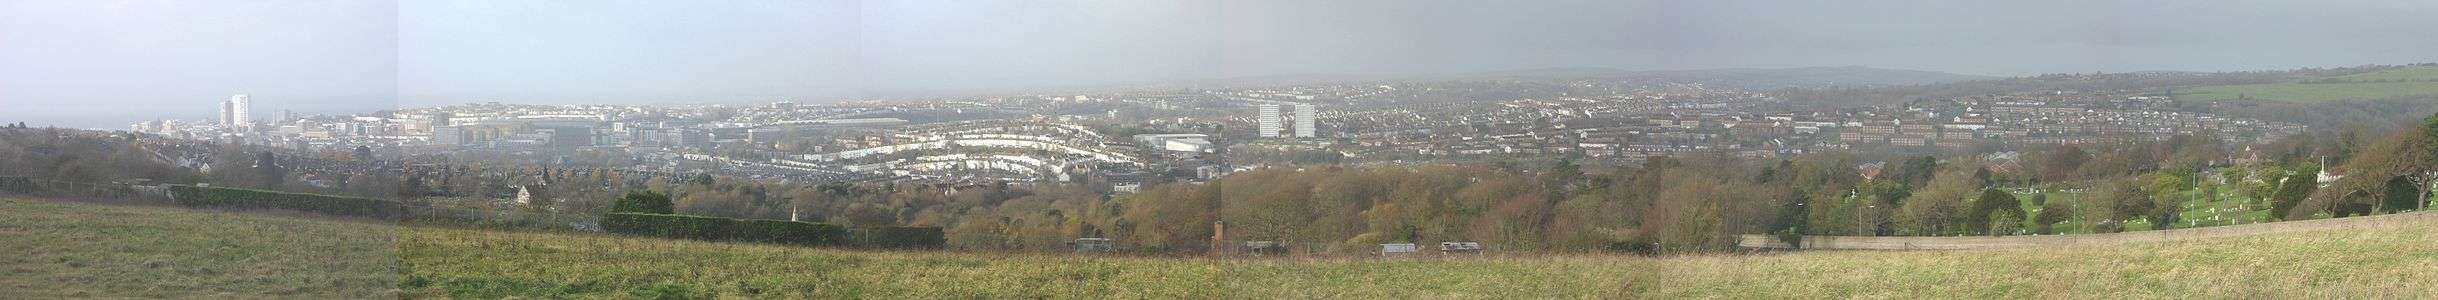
x: 2005, y: 222
x: 648, y: 202
x: 2050, y: 214
x: 1790, y: 236
x: 2291, y: 192
x: 1635, y: 245
x: 1994, y: 202
x: 234, y: 198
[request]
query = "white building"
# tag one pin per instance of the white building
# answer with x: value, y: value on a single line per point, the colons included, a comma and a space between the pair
x: 236, y: 114
x: 1305, y: 116
x: 1270, y: 121
x: 1180, y: 142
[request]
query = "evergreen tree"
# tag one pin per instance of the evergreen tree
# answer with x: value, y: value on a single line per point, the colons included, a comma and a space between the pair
x: 645, y: 201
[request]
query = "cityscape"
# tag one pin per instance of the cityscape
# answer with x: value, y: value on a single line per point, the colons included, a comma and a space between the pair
x: 1194, y: 149
x: 1118, y: 142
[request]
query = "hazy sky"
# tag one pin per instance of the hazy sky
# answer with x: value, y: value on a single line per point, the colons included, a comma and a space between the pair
x: 104, y: 63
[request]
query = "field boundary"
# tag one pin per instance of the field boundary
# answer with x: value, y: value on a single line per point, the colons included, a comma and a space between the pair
x: 1758, y: 241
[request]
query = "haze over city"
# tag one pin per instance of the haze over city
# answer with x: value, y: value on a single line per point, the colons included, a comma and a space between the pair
x: 1218, y: 149
x: 93, y: 64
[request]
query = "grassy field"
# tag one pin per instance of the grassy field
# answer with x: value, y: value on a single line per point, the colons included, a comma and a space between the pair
x: 78, y: 250
x: 2414, y: 81
x: 476, y: 264
x: 2377, y: 263
x: 2229, y: 208
x: 271, y: 256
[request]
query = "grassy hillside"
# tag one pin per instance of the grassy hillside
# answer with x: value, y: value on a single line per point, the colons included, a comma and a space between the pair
x: 77, y: 250
x: 2422, y: 73
x: 2412, y: 81
x: 2380, y: 262
x: 463, y: 263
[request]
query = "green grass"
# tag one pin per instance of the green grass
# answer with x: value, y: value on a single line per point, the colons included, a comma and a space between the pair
x: 2073, y: 224
x: 79, y: 250
x: 2229, y: 208
x: 477, y: 264
x: 2414, y: 81
x: 468, y: 263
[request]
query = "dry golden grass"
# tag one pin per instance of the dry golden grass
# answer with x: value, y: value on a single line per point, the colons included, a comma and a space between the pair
x: 2375, y: 263
x: 2394, y: 262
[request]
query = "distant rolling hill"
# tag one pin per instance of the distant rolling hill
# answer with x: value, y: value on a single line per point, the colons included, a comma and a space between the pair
x: 1744, y: 78
x: 1759, y: 78
x: 2385, y: 84
x: 1812, y: 77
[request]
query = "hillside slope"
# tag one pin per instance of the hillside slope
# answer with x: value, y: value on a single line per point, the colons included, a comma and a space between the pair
x: 1757, y: 78
x: 84, y: 250
x: 2402, y: 82
x: 1812, y: 77
x: 229, y: 257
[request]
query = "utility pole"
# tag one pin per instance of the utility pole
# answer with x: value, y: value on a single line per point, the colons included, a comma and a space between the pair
x: 1218, y: 237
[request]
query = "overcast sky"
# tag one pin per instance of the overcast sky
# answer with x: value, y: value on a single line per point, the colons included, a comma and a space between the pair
x: 105, y: 63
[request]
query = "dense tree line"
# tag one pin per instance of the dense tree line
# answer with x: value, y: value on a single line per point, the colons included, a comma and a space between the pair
x: 2347, y: 115
x: 1657, y: 205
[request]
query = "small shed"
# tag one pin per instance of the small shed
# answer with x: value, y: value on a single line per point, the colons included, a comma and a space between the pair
x: 1396, y: 249
x: 1093, y: 245
x: 1460, y: 247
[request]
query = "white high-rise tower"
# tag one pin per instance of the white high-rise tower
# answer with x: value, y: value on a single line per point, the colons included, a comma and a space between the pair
x: 1270, y: 123
x: 236, y: 114
x: 1305, y: 116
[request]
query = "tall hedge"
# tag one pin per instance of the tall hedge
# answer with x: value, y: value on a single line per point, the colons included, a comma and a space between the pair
x: 648, y: 202
x: 786, y: 232
x: 17, y: 185
x: 897, y: 237
x: 771, y: 231
x: 670, y: 226
x: 235, y: 198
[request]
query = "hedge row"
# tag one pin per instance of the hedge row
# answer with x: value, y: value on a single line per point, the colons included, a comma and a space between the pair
x: 17, y: 185
x: 898, y: 237
x: 771, y: 231
x: 785, y: 232
x: 670, y: 226
x: 220, y: 197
